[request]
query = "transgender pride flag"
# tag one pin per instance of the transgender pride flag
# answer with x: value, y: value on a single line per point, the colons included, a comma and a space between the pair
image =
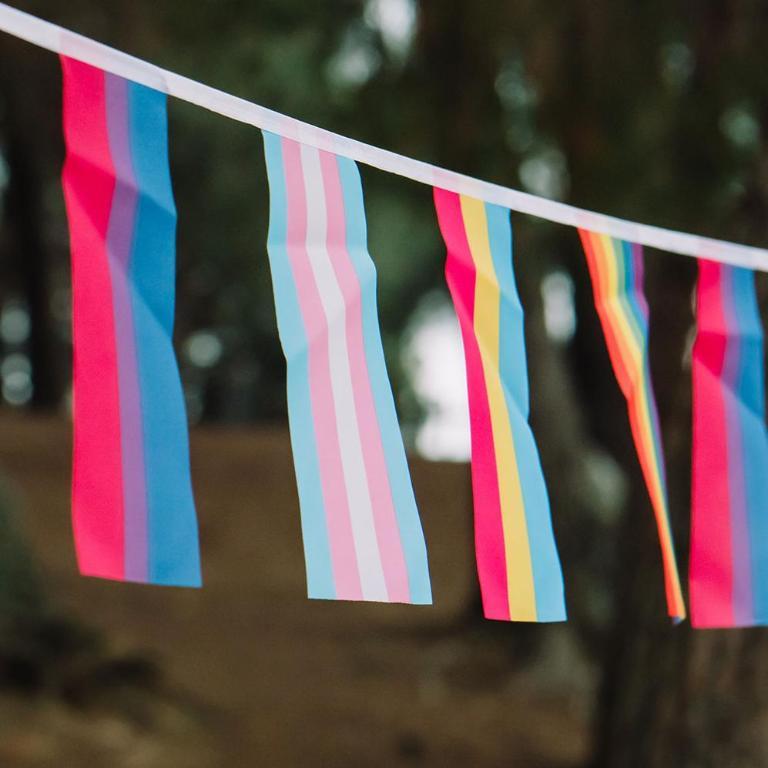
x: 133, y: 512
x: 362, y: 534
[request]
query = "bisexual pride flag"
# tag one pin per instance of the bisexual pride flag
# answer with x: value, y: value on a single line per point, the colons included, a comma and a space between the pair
x: 362, y: 534
x: 133, y: 512
x: 729, y: 526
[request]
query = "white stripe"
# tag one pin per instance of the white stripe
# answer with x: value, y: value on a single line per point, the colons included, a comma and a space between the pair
x: 355, y: 478
x: 60, y: 40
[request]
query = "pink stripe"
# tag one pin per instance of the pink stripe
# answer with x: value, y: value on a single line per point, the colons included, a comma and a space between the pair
x: 460, y: 274
x: 379, y: 491
x: 88, y: 180
x: 711, y: 567
x: 345, y: 569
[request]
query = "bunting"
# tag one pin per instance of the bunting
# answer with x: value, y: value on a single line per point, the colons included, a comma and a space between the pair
x: 133, y: 511
x: 361, y: 530
x: 729, y: 534
x: 616, y: 269
x: 518, y: 565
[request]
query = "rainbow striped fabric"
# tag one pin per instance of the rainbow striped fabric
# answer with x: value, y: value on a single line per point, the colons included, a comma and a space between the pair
x: 518, y: 565
x: 133, y: 511
x: 729, y: 534
x: 361, y: 530
x: 616, y: 269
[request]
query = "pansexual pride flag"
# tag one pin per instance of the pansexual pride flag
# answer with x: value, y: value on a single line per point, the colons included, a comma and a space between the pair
x: 133, y: 512
x: 729, y: 534
x: 518, y: 566
x: 616, y: 269
x: 362, y: 534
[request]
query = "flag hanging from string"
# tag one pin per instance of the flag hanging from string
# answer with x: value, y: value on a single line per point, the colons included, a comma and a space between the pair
x: 616, y: 270
x: 518, y: 565
x: 361, y: 529
x: 729, y: 525
x: 133, y: 511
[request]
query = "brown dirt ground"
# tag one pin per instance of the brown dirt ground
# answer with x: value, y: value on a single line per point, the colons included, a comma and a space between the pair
x: 253, y: 672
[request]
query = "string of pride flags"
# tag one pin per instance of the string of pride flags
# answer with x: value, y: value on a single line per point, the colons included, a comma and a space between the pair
x: 133, y: 511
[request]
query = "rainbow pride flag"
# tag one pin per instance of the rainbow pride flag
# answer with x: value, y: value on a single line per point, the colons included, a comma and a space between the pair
x: 616, y: 269
x: 361, y: 530
x: 518, y: 565
x: 133, y: 511
x: 729, y: 526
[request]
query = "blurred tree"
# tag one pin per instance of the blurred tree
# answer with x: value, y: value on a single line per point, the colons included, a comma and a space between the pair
x: 655, y: 111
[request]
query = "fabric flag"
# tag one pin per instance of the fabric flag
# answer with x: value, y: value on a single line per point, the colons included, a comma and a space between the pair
x: 362, y: 534
x: 133, y: 511
x: 616, y: 269
x: 729, y: 533
x: 518, y: 565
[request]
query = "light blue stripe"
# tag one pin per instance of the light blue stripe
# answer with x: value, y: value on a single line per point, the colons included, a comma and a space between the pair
x: 174, y: 556
x: 750, y: 402
x: 547, y: 574
x: 411, y: 534
x: 317, y: 552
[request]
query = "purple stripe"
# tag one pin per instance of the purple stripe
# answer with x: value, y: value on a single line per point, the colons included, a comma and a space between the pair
x: 740, y: 557
x: 638, y: 265
x: 119, y: 246
x: 741, y: 554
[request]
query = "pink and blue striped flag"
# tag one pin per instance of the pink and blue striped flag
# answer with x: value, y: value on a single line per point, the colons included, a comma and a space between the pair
x: 729, y: 526
x: 133, y: 512
x: 361, y: 529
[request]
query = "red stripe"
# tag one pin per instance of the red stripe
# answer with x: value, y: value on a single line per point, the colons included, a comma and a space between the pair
x: 489, y: 532
x: 89, y: 181
x: 711, y: 566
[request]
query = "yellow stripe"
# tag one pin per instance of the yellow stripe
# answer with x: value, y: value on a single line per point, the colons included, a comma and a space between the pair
x: 520, y: 586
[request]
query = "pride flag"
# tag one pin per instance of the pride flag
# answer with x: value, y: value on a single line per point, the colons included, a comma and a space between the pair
x: 518, y: 565
x: 729, y: 533
x: 133, y: 511
x: 616, y: 269
x: 361, y: 530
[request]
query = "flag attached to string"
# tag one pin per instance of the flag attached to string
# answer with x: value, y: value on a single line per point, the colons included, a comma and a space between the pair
x: 729, y: 525
x: 518, y: 565
x: 616, y: 269
x: 361, y: 529
x: 133, y: 511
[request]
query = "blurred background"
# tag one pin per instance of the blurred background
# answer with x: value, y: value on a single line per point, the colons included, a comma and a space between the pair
x: 656, y: 111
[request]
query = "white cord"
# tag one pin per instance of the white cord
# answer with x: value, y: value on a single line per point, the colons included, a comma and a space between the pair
x: 60, y: 40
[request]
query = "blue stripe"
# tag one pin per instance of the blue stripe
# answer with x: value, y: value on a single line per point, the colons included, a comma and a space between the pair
x: 174, y: 556
x: 411, y: 534
x: 513, y: 369
x: 628, y: 294
x: 317, y: 552
x: 750, y: 402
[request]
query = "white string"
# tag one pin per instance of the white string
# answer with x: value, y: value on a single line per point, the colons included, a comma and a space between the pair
x: 60, y: 40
